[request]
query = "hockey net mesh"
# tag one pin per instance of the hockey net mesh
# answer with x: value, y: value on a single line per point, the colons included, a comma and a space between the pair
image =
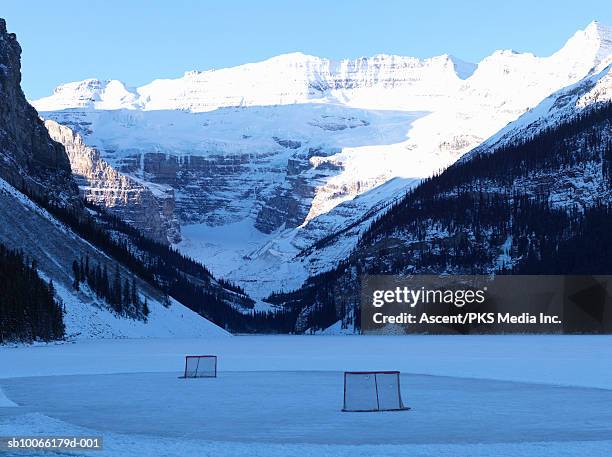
x: 375, y: 391
x: 200, y: 366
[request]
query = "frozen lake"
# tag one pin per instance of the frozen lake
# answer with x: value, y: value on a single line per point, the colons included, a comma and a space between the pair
x: 471, y: 396
x: 304, y: 407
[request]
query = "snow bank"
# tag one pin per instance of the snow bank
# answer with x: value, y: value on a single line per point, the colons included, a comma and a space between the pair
x: 116, y: 444
x: 4, y: 401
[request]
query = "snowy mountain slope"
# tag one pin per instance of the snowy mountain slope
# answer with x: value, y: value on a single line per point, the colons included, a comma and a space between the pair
x: 316, y: 150
x: 91, y: 93
x: 557, y: 107
x: 264, y: 264
x: 27, y: 227
x: 379, y: 82
x: 542, y: 205
x: 280, y: 177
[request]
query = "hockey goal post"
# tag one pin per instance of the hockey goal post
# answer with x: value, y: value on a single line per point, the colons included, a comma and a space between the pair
x: 368, y: 391
x: 200, y: 366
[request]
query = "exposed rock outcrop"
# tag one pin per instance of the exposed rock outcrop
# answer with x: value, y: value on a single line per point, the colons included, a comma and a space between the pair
x: 29, y: 158
x: 151, y: 212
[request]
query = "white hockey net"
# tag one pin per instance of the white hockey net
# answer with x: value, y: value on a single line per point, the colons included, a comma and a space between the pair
x: 372, y: 391
x: 200, y: 366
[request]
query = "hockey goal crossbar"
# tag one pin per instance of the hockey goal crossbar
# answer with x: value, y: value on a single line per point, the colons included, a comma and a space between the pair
x: 370, y: 391
x: 371, y: 372
x: 200, y: 366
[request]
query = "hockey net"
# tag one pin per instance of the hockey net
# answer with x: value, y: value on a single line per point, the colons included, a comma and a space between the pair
x: 200, y: 366
x: 372, y: 391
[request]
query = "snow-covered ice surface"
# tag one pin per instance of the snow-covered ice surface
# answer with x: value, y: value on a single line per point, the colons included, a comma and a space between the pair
x: 305, y: 407
x: 282, y: 395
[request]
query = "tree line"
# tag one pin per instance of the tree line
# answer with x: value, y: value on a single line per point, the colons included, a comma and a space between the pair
x: 28, y: 308
x: 121, y: 294
x: 166, y: 269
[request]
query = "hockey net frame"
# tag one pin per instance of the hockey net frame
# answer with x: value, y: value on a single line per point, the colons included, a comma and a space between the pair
x: 188, y: 357
x: 402, y: 407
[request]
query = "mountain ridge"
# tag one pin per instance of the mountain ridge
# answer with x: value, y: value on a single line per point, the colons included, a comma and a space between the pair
x: 322, y: 77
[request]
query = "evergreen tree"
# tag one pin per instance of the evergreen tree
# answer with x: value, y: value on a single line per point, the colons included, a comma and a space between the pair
x: 116, y: 292
x: 145, y: 308
x: 134, y: 296
x: 126, y: 294
x: 82, y: 269
x: 76, y: 272
x: 105, y: 285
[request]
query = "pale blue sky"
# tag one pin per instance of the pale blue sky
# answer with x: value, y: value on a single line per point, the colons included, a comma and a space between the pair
x: 140, y: 40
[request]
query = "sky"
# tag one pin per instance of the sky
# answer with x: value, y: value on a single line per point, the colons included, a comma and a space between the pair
x: 137, y: 41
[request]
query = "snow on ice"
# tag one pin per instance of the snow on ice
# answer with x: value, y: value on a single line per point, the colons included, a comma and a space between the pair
x: 282, y: 395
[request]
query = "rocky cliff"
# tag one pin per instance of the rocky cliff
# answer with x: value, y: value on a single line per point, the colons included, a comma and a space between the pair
x: 29, y: 159
x: 151, y: 212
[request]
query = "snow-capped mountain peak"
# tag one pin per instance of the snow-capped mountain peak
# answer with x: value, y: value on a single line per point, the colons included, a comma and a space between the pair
x: 382, y: 81
x: 90, y: 93
x: 591, y: 45
x: 280, y: 80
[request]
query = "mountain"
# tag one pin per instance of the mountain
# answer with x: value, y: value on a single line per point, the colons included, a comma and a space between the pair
x: 264, y: 163
x: 71, y: 269
x: 554, y: 109
x: 54, y: 247
x: 302, y: 78
x: 538, y: 204
x: 382, y: 81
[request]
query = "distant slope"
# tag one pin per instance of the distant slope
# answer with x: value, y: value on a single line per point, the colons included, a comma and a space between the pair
x: 540, y: 205
x: 27, y: 227
x: 149, y: 208
x: 558, y: 107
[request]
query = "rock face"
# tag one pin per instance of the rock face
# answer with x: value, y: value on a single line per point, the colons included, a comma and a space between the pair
x: 152, y: 213
x: 29, y: 159
x: 225, y: 166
